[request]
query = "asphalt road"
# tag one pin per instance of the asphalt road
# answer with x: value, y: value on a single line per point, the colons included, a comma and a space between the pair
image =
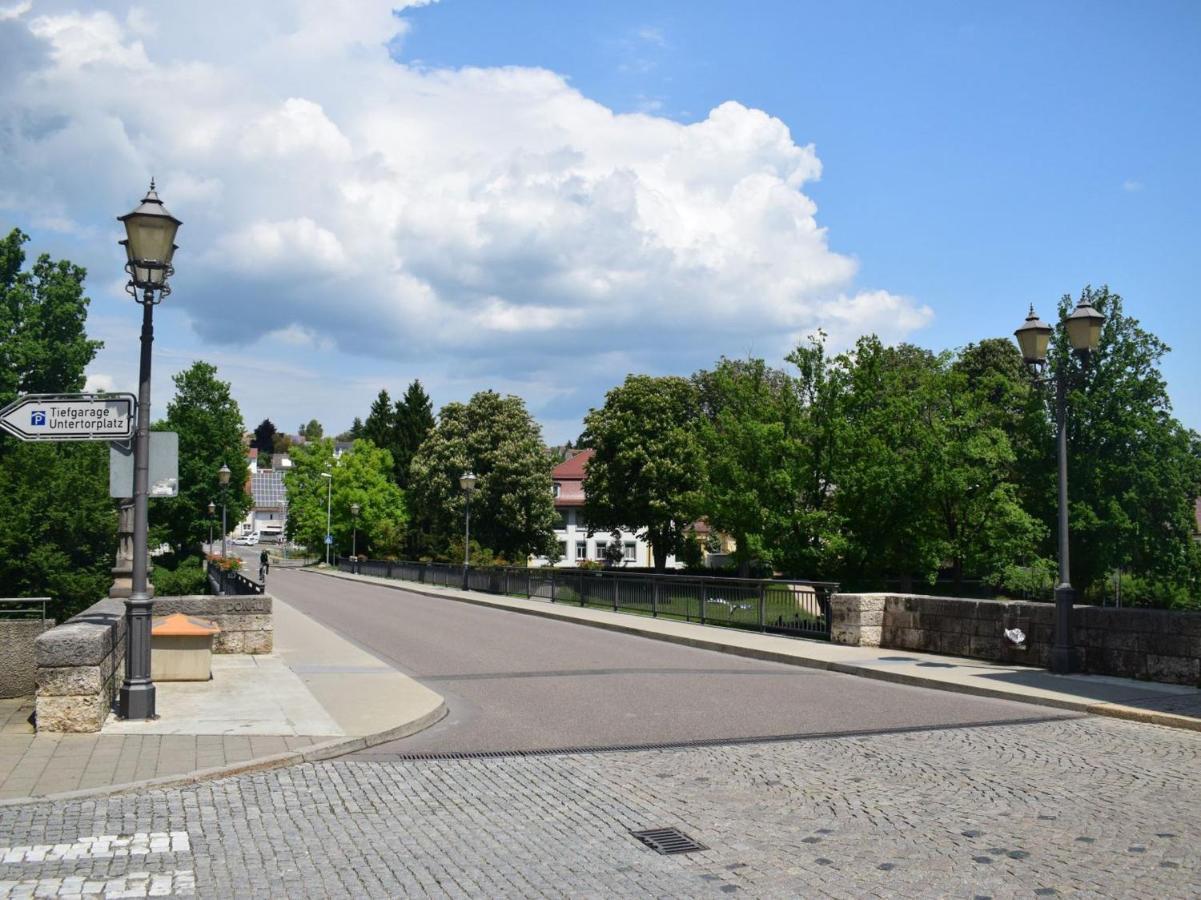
x: 517, y: 682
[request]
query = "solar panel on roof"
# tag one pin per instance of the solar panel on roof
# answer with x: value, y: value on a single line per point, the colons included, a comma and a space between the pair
x: 267, y: 488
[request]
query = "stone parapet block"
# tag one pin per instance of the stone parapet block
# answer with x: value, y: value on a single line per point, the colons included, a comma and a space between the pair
x: 69, y: 681
x: 84, y: 713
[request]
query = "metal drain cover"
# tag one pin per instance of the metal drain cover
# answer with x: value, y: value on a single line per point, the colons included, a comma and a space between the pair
x: 668, y: 840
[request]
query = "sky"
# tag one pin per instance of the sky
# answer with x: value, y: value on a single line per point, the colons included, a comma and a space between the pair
x: 541, y: 197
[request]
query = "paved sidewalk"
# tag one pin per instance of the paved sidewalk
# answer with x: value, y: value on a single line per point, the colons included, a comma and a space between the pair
x: 315, y: 697
x: 1177, y: 706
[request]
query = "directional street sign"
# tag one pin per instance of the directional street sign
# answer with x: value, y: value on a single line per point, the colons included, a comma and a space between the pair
x: 329, y: 538
x: 70, y: 417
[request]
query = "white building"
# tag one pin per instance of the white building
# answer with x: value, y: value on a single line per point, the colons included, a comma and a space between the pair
x: 571, y: 531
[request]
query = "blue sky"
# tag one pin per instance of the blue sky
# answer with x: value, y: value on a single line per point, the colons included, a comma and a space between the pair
x: 973, y: 159
x: 977, y: 157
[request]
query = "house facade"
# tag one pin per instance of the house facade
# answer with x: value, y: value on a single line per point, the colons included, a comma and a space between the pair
x: 571, y: 530
x: 269, y: 512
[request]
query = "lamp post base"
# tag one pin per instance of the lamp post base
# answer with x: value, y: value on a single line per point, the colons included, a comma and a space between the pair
x: 136, y: 698
x: 1063, y: 651
x: 136, y: 701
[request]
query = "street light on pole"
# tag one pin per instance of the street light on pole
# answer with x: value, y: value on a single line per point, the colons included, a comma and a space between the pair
x: 149, y: 248
x: 354, y: 540
x: 329, y: 492
x: 467, y: 482
x: 212, y: 512
x: 223, y: 477
x: 1083, y: 328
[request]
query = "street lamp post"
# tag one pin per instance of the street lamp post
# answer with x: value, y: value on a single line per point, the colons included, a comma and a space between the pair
x: 329, y: 492
x: 149, y: 248
x: 354, y: 540
x: 212, y: 511
x: 223, y: 477
x: 1083, y: 328
x: 467, y: 482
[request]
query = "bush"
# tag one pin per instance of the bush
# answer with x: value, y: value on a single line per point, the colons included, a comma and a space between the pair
x: 186, y: 578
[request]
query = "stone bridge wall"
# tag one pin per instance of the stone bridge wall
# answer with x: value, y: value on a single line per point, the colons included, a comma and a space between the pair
x: 18, y: 671
x: 81, y: 663
x: 1152, y: 644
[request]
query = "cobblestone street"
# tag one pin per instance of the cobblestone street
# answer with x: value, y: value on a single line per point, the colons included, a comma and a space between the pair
x: 1089, y: 806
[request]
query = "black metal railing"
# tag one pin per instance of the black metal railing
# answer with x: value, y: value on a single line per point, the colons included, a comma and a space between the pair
x: 775, y: 606
x: 232, y: 582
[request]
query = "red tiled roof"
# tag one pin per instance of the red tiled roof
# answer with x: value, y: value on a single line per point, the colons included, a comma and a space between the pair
x: 572, y: 469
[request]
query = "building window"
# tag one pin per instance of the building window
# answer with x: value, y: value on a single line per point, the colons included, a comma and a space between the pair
x: 600, y: 549
x: 581, y: 550
x: 562, y: 549
x: 556, y: 488
x: 631, y: 551
x: 560, y: 520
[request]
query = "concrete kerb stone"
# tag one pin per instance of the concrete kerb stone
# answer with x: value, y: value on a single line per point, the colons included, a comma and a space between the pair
x: 1116, y: 711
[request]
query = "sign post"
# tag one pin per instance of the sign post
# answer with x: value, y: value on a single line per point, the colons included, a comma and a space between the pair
x: 70, y: 417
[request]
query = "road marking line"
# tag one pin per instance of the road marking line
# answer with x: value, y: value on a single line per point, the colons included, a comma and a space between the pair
x: 104, y: 846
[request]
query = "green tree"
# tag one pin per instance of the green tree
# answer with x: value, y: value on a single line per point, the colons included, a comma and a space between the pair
x: 43, y: 345
x: 363, y: 476
x: 647, y: 473
x: 208, y: 421
x: 1134, y: 469
x: 885, y: 466
x: 58, y: 530
x: 973, y: 481
x: 512, y: 510
x: 413, y: 420
x: 381, y: 421
x: 264, y: 437
x: 815, y: 542
x: 58, y: 527
x: 749, y: 435
x: 312, y: 431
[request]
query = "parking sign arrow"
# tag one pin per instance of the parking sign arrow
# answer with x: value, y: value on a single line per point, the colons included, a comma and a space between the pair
x: 70, y: 417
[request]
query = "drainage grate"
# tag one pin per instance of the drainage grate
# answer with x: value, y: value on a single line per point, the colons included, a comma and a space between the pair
x: 668, y: 840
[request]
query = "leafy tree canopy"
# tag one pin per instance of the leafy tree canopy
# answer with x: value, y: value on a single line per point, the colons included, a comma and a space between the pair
x: 209, y: 423
x: 58, y: 527
x: 647, y: 472
x: 1134, y: 469
x: 363, y: 476
x: 512, y: 510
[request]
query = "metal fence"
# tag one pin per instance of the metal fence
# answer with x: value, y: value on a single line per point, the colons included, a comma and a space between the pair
x: 230, y: 581
x: 24, y: 608
x: 780, y: 607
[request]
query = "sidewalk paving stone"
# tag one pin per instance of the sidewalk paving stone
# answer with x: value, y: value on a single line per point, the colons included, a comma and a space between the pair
x: 279, y: 707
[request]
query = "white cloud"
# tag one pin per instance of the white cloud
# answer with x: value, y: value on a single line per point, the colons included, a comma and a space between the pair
x: 421, y: 216
x: 1132, y: 185
x: 15, y: 10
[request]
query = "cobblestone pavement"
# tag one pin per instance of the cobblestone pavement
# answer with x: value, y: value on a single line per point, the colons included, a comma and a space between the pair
x: 1088, y: 806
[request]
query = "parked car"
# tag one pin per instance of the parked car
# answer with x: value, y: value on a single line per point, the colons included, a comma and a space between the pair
x: 248, y: 540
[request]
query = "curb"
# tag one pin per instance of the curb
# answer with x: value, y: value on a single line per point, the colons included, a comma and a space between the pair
x: 1111, y: 710
x: 325, y: 750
